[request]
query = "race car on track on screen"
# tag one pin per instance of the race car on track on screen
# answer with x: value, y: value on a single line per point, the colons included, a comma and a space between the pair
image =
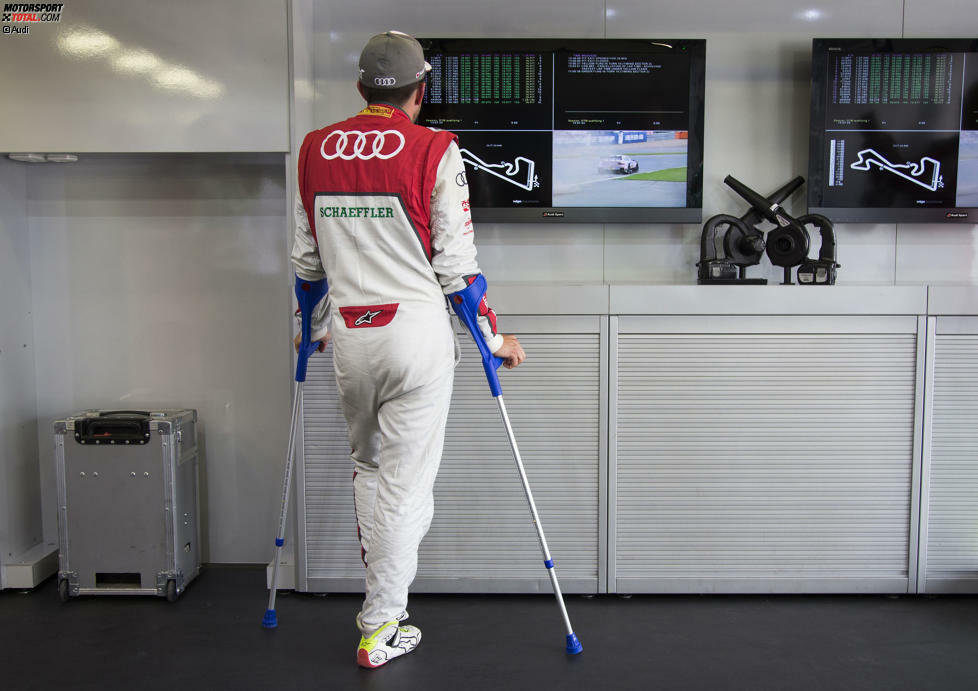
x: 617, y: 164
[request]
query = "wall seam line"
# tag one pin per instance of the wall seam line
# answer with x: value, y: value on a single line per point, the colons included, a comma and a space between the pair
x: 604, y: 227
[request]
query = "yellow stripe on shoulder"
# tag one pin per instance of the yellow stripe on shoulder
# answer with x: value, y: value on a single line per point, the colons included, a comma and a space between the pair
x: 383, y: 111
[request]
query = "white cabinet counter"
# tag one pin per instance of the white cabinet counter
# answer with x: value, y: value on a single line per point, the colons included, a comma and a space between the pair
x: 691, y: 439
x: 949, y: 512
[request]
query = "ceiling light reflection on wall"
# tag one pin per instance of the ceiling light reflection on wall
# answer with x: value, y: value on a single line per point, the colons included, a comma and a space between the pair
x: 176, y: 78
x: 184, y: 79
x: 86, y: 43
x: 811, y: 15
x: 304, y: 89
x: 136, y: 62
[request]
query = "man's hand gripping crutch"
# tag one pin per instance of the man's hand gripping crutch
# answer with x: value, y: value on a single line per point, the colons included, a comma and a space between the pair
x: 466, y: 304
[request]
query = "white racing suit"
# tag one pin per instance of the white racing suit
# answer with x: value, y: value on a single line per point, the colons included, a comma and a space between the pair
x: 383, y: 214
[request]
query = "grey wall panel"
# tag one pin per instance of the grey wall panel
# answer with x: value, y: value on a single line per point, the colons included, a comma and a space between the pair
x: 20, y: 495
x: 935, y: 254
x: 125, y: 75
x: 539, y: 253
x: 951, y: 532
x: 302, y: 102
x: 781, y: 17
x: 940, y: 18
x: 158, y: 281
x: 482, y: 537
x: 772, y: 458
x: 303, y: 71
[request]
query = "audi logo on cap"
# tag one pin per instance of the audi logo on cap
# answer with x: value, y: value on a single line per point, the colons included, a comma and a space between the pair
x: 362, y: 145
x: 385, y: 81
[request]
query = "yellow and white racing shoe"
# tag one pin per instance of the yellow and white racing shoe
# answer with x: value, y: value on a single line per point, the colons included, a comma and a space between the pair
x: 388, y: 642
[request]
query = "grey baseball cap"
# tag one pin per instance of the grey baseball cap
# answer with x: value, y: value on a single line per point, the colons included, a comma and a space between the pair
x: 391, y: 60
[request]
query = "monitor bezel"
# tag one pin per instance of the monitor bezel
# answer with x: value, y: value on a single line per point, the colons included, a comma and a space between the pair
x: 817, y: 134
x: 691, y: 213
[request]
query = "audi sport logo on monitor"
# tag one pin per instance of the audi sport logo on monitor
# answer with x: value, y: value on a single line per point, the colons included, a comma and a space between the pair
x: 361, y: 145
x: 385, y: 81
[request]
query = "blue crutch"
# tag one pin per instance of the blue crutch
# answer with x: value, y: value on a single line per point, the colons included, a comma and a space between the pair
x: 309, y: 293
x: 466, y: 305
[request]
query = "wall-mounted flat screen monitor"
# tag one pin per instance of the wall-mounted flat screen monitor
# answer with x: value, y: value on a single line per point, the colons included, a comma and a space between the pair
x: 894, y: 130
x: 586, y: 130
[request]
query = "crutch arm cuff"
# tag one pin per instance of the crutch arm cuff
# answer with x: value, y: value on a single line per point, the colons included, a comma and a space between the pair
x: 466, y: 304
x: 309, y: 294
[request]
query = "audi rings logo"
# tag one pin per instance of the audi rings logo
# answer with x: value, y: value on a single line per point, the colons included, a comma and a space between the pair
x: 362, y: 145
x: 385, y: 81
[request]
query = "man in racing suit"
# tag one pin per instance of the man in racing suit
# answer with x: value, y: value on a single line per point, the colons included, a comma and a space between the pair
x: 383, y: 214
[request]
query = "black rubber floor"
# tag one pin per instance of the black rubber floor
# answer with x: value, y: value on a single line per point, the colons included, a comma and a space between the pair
x: 212, y: 639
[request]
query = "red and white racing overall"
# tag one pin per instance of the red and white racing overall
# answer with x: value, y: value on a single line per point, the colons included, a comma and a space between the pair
x: 383, y: 214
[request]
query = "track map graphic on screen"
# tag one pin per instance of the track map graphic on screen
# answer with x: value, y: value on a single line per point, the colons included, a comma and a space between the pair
x: 551, y: 127
x: 898, y: 128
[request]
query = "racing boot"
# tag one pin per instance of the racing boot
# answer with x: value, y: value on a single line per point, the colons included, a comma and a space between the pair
x: 388, y: 642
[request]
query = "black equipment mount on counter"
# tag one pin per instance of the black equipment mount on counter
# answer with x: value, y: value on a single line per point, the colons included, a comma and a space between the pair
x: 729, y: 244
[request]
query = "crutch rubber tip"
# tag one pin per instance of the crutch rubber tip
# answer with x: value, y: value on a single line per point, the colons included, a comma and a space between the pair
x: 270, y: 621
x: 573, y: 645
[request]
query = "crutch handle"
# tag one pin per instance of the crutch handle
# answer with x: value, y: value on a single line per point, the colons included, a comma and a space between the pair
x: 309, y: 294
x: 466, y: 305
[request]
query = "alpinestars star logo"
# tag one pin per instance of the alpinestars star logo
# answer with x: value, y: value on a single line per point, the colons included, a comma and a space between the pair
x: 366, y: 318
